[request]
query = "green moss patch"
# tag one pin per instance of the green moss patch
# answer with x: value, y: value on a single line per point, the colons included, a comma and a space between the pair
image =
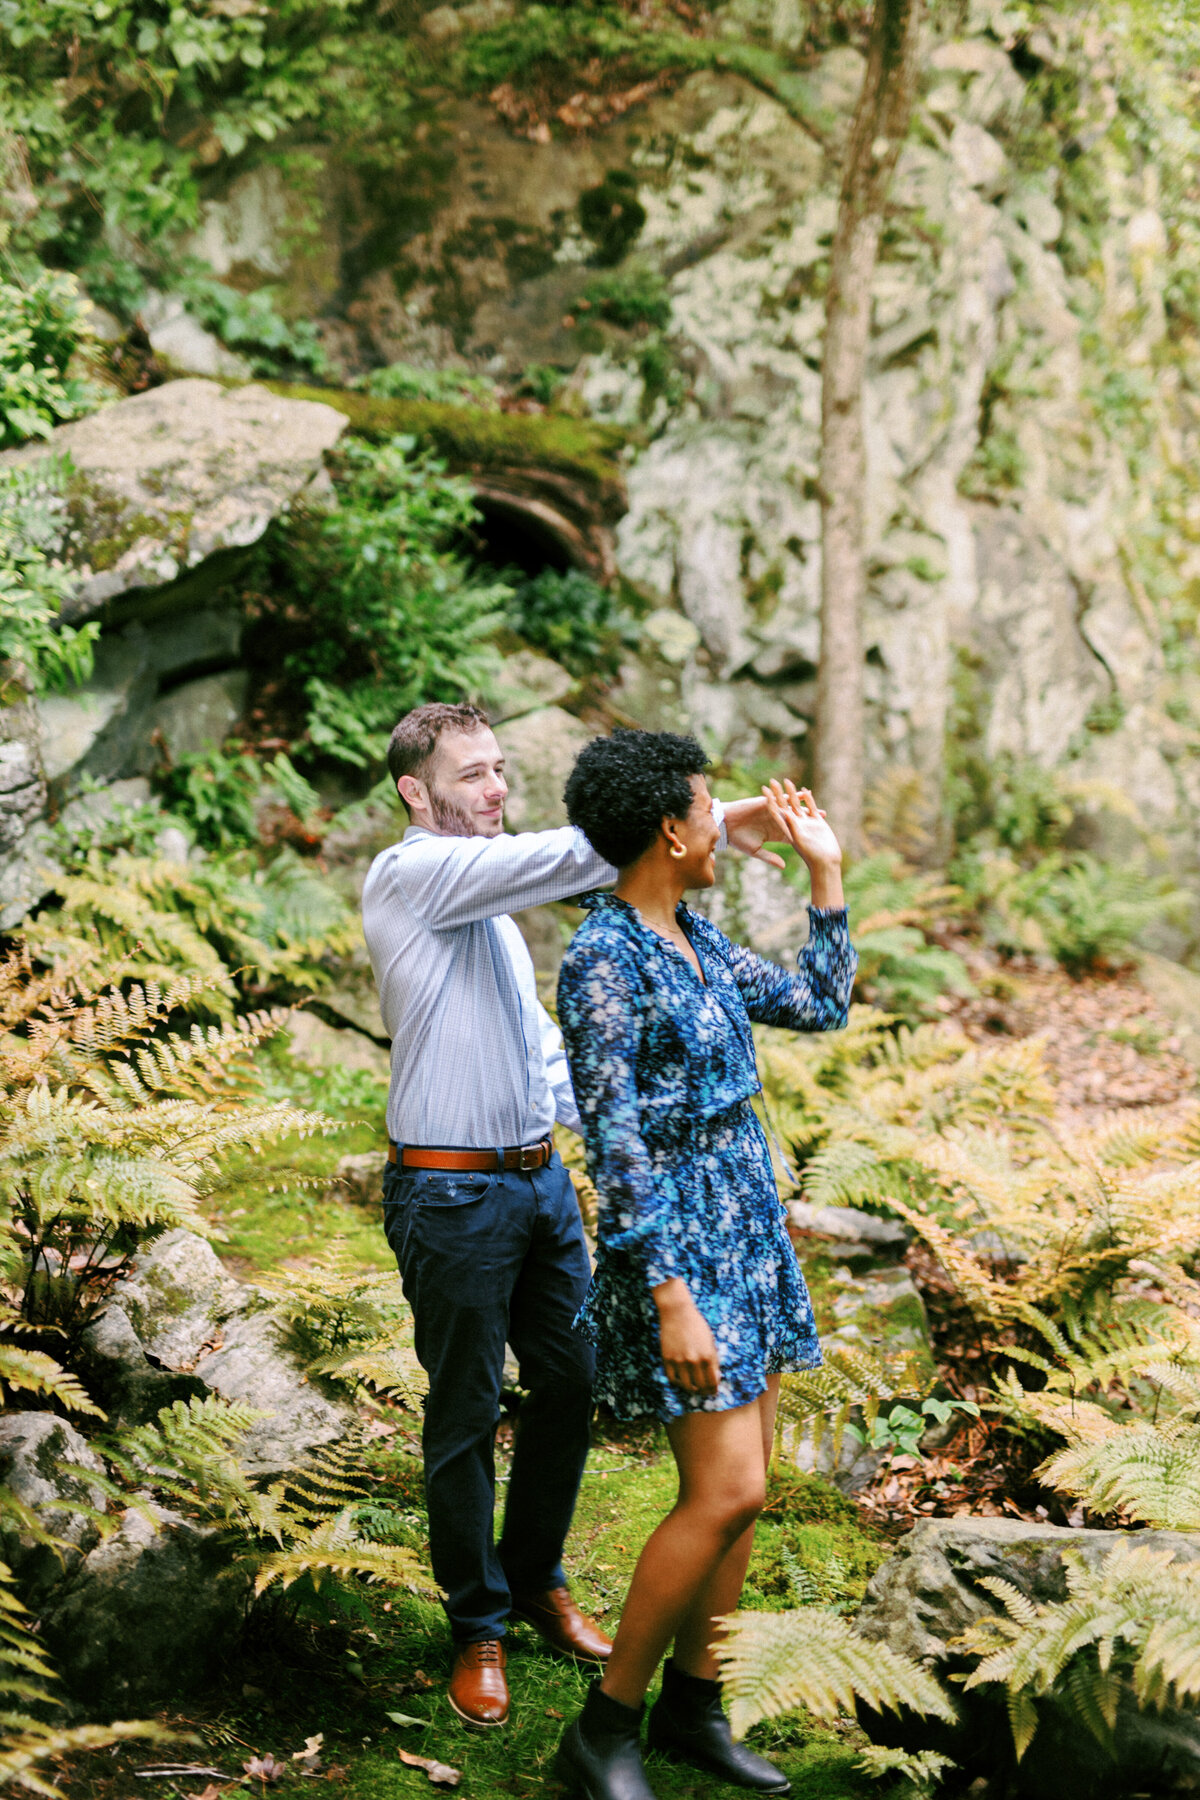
x: 471, y: 439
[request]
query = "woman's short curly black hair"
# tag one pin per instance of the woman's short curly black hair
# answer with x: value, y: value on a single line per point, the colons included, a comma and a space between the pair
x: 622, y: 788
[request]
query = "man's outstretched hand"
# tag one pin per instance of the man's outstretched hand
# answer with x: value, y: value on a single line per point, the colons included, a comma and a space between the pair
x: 751, y: 824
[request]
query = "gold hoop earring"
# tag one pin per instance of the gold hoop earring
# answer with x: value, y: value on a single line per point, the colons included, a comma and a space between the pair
x: 678, y: 851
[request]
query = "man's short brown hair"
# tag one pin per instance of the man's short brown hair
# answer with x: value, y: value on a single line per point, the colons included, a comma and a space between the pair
x: 415, y: 738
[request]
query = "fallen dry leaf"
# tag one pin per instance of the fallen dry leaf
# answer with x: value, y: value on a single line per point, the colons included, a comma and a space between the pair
x: 265, y: 1769
x: 441, y: 1774
x: 310, y: 1757
x: 213, y: 1791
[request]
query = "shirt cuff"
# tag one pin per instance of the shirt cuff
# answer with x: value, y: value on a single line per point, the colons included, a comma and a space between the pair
x: 718, y: 813
x: 827, y: 923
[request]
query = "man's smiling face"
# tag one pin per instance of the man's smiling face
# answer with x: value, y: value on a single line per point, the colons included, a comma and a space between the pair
x: 463, y: 794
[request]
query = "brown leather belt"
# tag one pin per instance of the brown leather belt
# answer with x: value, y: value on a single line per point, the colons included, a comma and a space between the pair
x: 523, y: 1157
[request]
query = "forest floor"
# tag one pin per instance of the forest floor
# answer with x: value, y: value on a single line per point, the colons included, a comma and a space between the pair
x: 365, y: 1671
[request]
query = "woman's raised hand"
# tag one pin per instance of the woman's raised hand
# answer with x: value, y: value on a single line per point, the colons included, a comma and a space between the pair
x: 804, y: 823
x: 805, y: 826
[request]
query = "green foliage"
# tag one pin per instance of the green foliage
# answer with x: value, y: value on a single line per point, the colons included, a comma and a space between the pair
x: 41, y: 328
x: 393, y: 614
x: 278, y: 923
x: 352, y: 1324
x: 113, y: 1128
x: 546, y: 46
x: 214, y: 791
x: 541, y: 381
x: 922, y: 1770
x: 253, y: 325
x: 629, y: 297
x: 892, y: 909
x: 1085, y: 913
x: 573, y: 618
x: 772, y: 1663
x: 34, y: 581
x: 902, y: 1428
x: 118, y: 109
x: 403, y: 381
x: 188, y: 1457
x: 1128, y: 1625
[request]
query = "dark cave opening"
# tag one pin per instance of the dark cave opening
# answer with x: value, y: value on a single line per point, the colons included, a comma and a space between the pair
x: 508, y: 536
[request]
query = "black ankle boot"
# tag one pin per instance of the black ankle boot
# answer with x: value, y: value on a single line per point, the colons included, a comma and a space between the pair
x: 599, y: 1757
x: 688, y: 1723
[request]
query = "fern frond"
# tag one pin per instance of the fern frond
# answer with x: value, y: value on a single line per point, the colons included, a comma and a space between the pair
x: 36, y: 1373
x: 773, y: 1663
x: 335, y: 1548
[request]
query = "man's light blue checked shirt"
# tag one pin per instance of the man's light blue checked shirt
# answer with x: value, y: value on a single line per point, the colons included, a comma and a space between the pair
x: 476, y: 1059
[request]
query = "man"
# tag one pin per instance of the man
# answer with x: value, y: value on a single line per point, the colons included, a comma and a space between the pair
x: 478, y: 1207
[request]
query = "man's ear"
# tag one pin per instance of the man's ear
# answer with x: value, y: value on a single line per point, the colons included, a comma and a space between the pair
x: 410, y: 791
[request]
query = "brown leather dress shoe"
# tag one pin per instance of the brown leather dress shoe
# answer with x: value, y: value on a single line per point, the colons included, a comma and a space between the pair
x: 478, y: 1688
x: 559, y: 1623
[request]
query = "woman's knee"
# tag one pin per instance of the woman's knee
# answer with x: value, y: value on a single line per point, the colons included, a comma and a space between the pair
x: 731, y: 1510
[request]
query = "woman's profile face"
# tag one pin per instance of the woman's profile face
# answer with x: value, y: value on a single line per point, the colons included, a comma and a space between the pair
x: 698, y: 833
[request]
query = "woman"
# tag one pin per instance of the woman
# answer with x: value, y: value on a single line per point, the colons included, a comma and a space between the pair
x: 697, y: 1304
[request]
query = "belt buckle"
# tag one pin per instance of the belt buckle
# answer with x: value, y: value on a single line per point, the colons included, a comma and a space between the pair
x: 532, y: 1152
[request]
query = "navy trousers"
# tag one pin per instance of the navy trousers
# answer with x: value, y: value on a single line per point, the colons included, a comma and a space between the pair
x: 486, y: 1258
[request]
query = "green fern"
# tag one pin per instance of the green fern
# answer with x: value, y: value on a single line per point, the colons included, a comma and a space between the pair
x: 1129, y: 1623
x: 773, y: 1663
x: 850, y: 1380
x: 923, y: 1770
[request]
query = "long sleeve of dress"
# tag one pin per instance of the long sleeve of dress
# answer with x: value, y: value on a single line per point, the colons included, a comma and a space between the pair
x: 601, y: 1016
x: 817, y: 996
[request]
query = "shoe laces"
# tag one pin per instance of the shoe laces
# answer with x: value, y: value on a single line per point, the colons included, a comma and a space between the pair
x: 487, y: 1653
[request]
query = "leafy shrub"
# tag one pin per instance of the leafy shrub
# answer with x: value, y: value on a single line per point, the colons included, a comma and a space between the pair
x: 214, y: 790
x: 892, y: 909
x: 403, y: 381
x: 33, y: 578
x: 572, y: 617
x: 389, y: 612
x: 629, y: 297
x: 41, y: 327
x: 1126, y: 1629
x: 253, y: 324
x: 113, y: 1128
x: 1085, y: 913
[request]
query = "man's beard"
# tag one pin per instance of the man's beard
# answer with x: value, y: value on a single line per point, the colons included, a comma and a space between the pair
x: 451, y: 819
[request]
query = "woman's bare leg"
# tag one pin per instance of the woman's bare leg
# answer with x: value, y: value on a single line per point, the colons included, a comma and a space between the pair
x: 721, y: 1593
x: 722, y: 1478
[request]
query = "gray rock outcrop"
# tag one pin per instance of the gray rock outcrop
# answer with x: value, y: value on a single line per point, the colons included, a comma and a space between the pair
x: 45, y: 1464
x: 166, y: 479
x: 152, y: 1610
x: 929, y: 1592
x: 188, y: 1318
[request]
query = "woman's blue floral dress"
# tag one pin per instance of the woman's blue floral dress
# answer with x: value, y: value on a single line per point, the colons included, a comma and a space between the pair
x: 663, y: 1067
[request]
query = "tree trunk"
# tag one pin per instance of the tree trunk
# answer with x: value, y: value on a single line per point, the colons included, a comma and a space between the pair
x: 880, y: 125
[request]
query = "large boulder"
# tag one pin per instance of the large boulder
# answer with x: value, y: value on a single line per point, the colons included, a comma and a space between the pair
x: 165, y: 479
x: 930, y: 1591
x: 152, y: 1610
x: 193, y: 1322
x: 22, y: 799
x: 45, y: 1465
